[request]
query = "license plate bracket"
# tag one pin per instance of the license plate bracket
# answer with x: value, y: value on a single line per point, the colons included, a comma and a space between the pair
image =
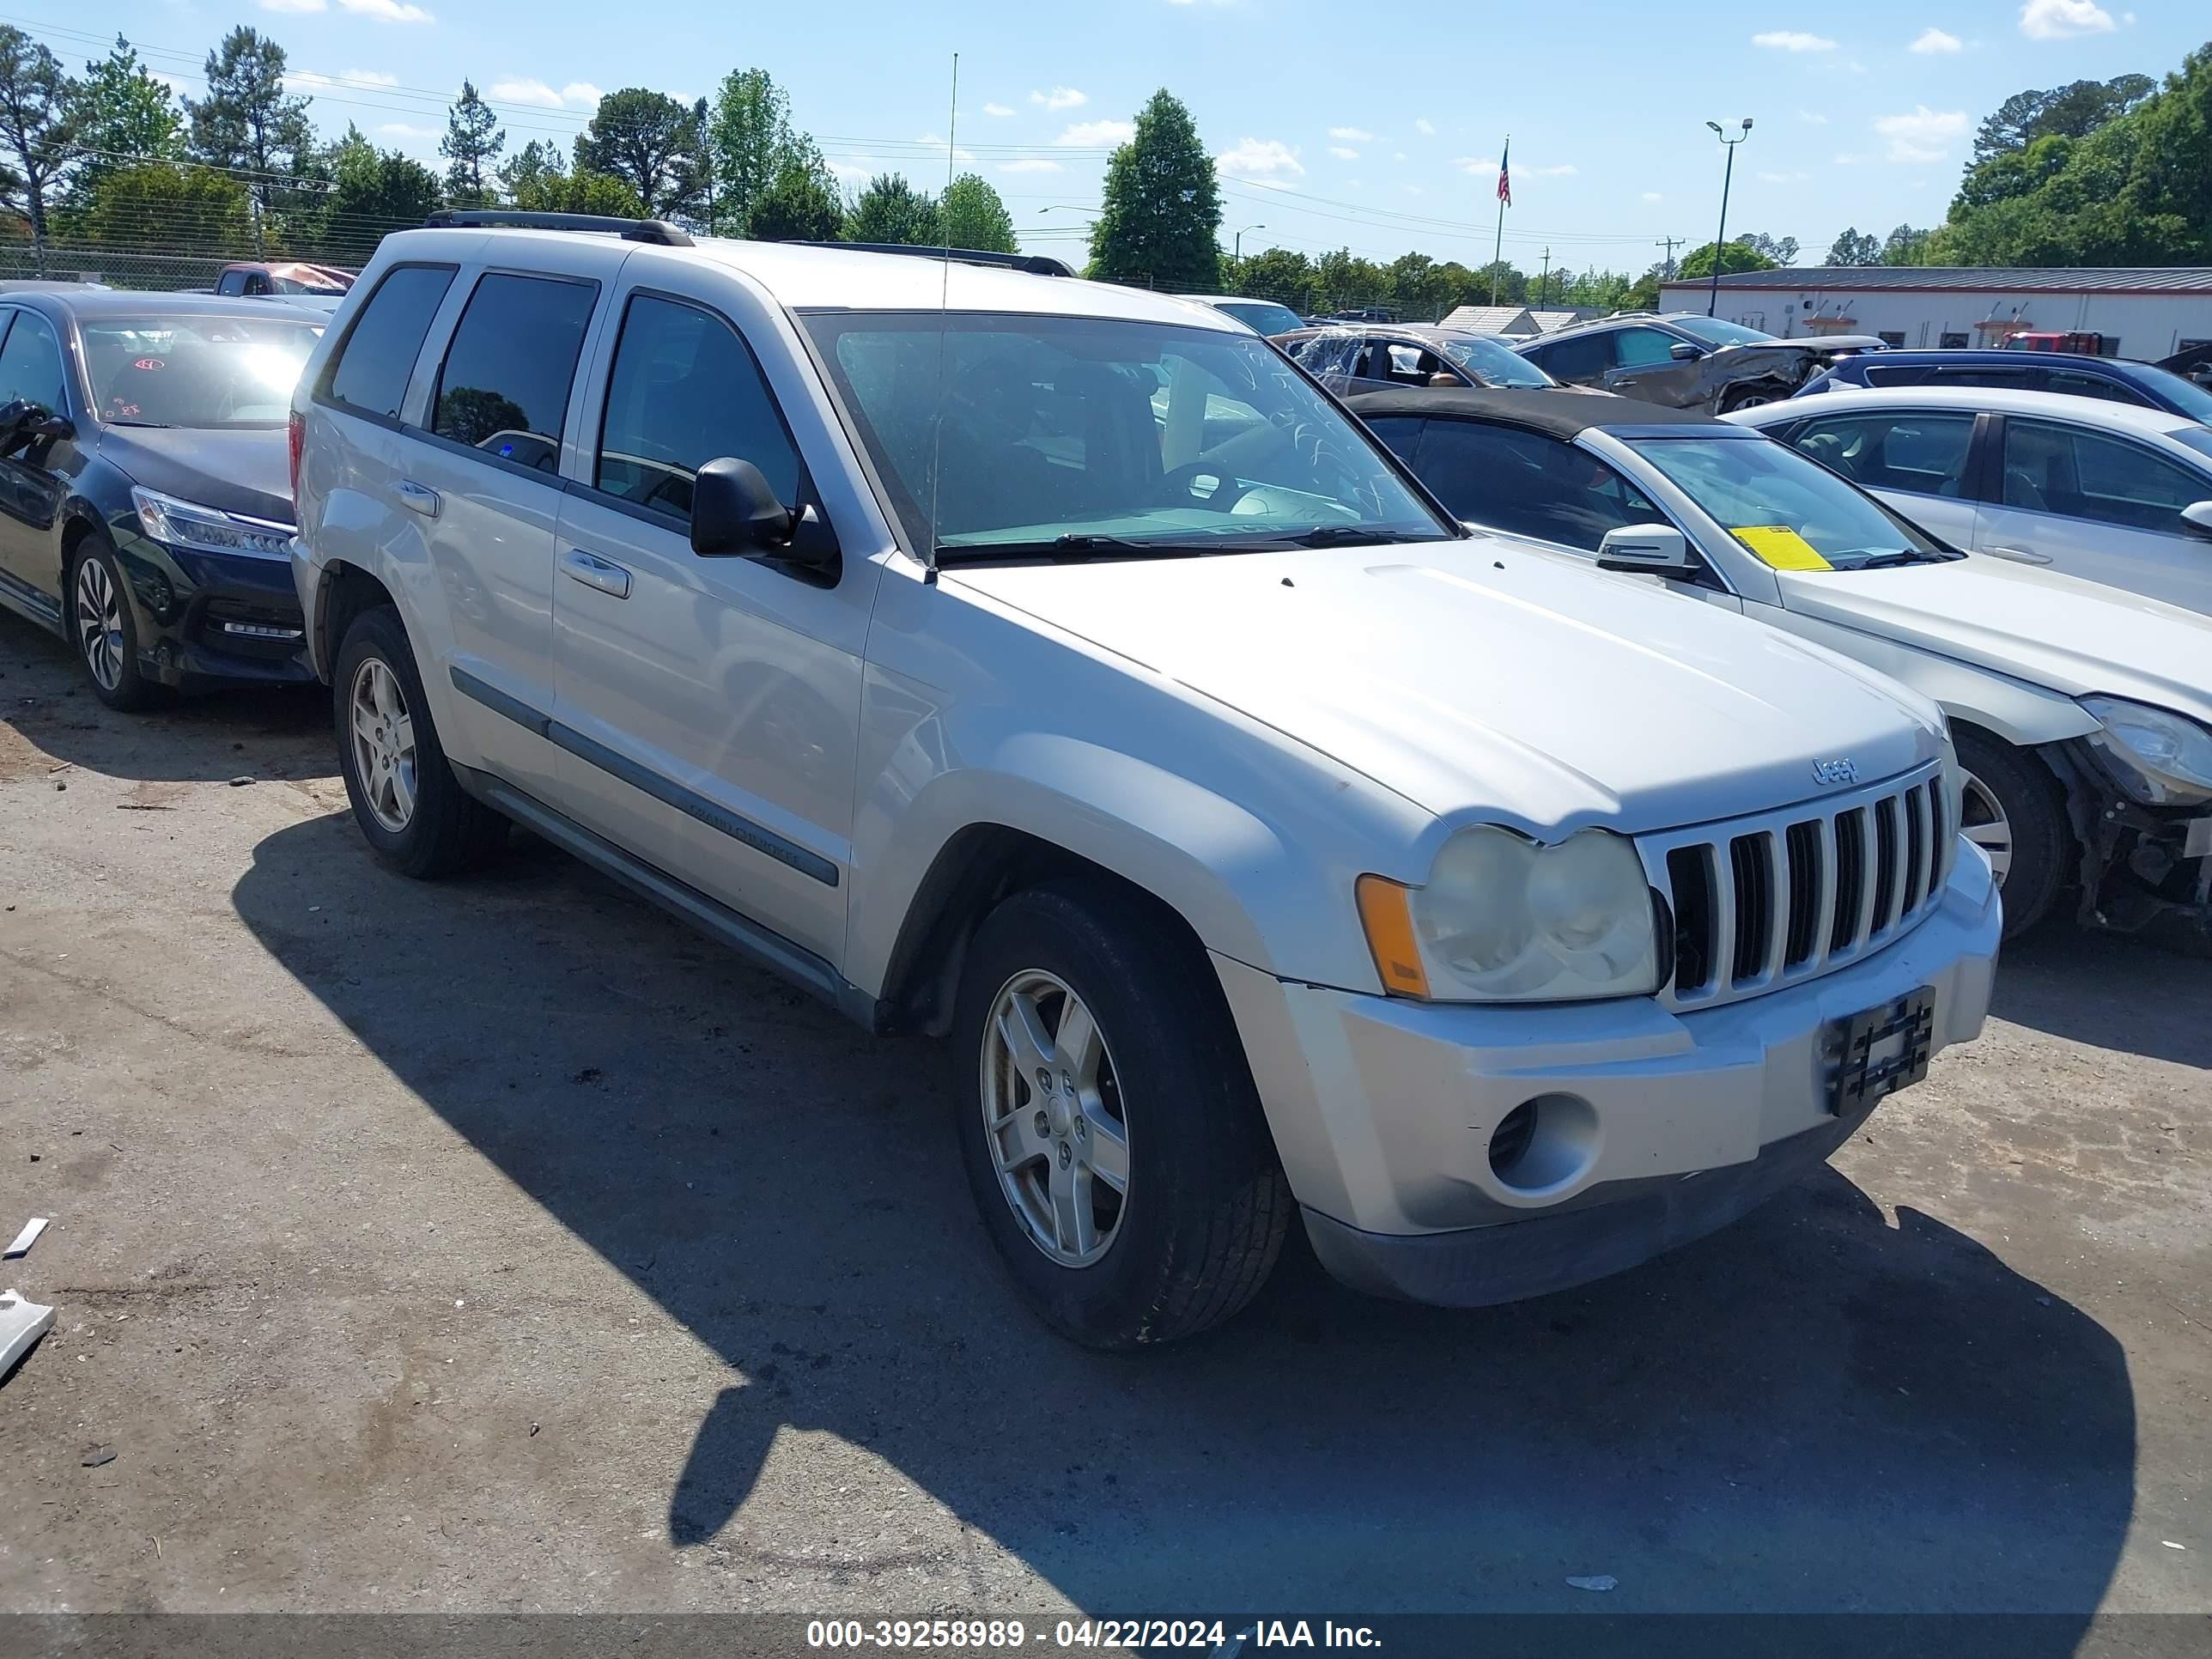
x: 1878, y: 1051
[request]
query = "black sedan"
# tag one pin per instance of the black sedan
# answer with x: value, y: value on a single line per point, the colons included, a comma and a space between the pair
x: 145, y: 484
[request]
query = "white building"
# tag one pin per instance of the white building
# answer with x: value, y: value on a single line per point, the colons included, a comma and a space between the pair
x: 2146, y: 312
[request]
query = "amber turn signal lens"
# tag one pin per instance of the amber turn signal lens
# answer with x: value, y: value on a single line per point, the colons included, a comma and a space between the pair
x: 1389, y: 927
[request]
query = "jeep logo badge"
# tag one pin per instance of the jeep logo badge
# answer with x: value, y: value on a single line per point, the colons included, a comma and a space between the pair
x: 1835, y: 771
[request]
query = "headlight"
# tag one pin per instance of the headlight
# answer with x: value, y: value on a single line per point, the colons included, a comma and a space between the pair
x: 209, y: 529
x: 2161, y: 759
x: 1503, y: 918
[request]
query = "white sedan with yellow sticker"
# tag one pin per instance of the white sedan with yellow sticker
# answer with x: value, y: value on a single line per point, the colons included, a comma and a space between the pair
x: 2082, y: 713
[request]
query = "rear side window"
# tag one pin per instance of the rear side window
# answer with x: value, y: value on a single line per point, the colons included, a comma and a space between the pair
x: 684, y: 391
x: 31, y: 364
x: 504, y: 387
x: 1919, y: 454
x: 378, y: 352
x: 1584, y: 358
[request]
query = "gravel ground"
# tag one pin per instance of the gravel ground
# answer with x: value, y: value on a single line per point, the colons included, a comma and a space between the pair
x: 500, y: 1245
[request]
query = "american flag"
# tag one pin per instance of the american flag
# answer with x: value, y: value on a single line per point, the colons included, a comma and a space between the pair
x: 1505, y: 179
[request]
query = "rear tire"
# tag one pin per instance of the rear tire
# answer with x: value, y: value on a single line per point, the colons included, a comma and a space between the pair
x: 2013, y: 810
x: 96, y: 605
x: 1162, y: 1103
x: 416, y: 817
x: 1751, y: 397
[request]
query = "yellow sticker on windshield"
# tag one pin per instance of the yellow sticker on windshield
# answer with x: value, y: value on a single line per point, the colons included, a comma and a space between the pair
x: 1780, y: 546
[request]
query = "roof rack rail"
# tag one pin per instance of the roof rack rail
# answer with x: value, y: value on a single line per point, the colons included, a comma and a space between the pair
x: 659, y: 231
x: 1037, y: 264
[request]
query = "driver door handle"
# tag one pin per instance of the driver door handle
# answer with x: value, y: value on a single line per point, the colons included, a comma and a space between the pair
x: 421, y: 498
x: 593, y: 571
x: 2019, y: 554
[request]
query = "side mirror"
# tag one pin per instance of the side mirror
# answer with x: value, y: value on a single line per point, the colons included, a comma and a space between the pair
x: 17, y: 419
x: 735, y: 514
x: 1651, y: 550
x: 2196, y: 519
x: 1683, y: 352
x: 52, y: 429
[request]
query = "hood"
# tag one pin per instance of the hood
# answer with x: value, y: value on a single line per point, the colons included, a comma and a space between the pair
x: 2053, y: 630
x: 1481, y: 675
x: 248, y: 472
x: 1830, y: 345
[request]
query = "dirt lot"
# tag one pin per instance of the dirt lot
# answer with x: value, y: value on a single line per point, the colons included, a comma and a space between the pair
x: 501, y: 1245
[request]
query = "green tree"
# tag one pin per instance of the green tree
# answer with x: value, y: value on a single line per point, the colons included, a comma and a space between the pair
x: 1854, y: 247
x: 190, y: 210
x: 972, y: 216
x: 123, y: 116
x: 1162, y: 215
x: 537, y: 178
x: 654, y: 145
x: 373, y: 192
x: 891, y: 210
x: 1782, y: 250
x: 1417, y: 290
x: 801, y: 203
x: 472, y: 145
x: 532, y: 170
x: 1905, y: 247
x: 1511, y: 285
x: 1735, y: 255
x: 2073, y: 111
x: 748, y: 139
x: 247, y: 123
x: 1279, y: 274
x: 37, y: 117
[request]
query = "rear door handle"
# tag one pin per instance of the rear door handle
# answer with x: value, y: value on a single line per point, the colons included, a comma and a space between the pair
x: 593, y: 571
x: 2020, y: 554
x: 423, y: 501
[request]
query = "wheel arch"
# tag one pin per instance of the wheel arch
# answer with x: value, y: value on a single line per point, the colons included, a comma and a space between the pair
x: 343, y: 591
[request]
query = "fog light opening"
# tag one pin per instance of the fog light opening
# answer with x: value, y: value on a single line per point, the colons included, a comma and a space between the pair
x: 1544, y: 1143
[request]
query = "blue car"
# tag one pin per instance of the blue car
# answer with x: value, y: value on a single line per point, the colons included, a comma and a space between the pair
x: 2116, y: 380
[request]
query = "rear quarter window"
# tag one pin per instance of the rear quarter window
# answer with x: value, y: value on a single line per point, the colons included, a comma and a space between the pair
x: 377, y: 356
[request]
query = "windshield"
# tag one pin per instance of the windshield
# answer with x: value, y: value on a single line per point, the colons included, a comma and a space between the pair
x: 1262, y: 316
x: 1713, y: 331
x: 1789, y: 510
x: 194, y: 371
x: 1079, y: 435
x: 1497, y: 363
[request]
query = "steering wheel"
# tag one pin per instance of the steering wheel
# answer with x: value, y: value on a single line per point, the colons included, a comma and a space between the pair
x: 1229, y: 492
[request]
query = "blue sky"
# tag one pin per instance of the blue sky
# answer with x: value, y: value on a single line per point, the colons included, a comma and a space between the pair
x: 1378, y: 128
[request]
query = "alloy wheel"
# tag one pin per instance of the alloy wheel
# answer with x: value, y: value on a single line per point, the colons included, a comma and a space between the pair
x: 383, y: 743
x: 1984, y: 821
x: 1053, y: 1118
x: 100, y: 623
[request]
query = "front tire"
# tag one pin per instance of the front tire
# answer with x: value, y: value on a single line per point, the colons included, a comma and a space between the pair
x: 1112, y: 1136
x: 412, y: 808
x: 1754, y: 396
x: 2012, y: 811
x: 104, y: 630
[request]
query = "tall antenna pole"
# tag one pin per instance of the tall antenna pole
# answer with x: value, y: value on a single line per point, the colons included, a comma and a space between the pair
x: 943, y: 307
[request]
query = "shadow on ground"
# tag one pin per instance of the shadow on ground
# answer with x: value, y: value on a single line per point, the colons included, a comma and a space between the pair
x: 1815, y: 1409
x: 2111, y: 992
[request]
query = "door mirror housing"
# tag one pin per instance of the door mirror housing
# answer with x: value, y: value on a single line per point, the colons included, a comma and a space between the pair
x: 17, y: 420
x: 1683, y: 352
x: 50, y: 428
x: 2196, y: 519
x: 1651, y: 550
x: 735, y: 514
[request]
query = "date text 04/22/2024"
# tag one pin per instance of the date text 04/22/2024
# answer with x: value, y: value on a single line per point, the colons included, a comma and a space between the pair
x: 1214, y: 1636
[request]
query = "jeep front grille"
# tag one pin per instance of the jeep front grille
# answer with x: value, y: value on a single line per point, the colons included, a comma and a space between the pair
x: 1782, y: 896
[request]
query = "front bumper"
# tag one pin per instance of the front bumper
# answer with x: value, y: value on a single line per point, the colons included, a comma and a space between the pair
x: 214, y: 618
x: 1673, y: 1125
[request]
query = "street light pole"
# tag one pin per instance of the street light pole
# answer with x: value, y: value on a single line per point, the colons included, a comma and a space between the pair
x: 1238, y: 256
x: 1728, y: 176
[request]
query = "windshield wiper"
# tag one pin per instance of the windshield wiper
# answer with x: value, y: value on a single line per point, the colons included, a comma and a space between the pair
x: 1885, y: 561
x: 1073, y: 545
x: 1349, y: 535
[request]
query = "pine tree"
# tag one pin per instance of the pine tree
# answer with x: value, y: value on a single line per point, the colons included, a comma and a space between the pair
x: 124, y: 118
x: 1162, y: 206
x: 37, y: 120
x: 247, y: 123
x: 472, y: 145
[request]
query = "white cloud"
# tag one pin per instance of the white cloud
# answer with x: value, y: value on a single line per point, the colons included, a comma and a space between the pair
x: 582, y: 93
x: 686, y: 99
x: 1933, y: 40
x: 522, y: 90
x: 936, y: 141
x: 1793, y: 40
x: 1475, y: 164
x: 293, y: 5
x: 1353, y: 135
x: 1847, y: 159
x: 1812, y: 117
x: 1925, y: 134
x: 1400, y: 157
x: 1093, y: 135
x: 1415, y: 189
x: 1653, y: 196
x: 1564, y: 170
x: 369, y: 78
x: 850, y: 170
x: 1060, y: 97
x: 1030, y: 164
x: 1783, y: 178
x: 1425, y: 127
x: 999, y: 110
x: 2058, y: 20
x: 401, y: 130
x: 387, y: 11
x: 1264, y: 158
x: 1342, y: 154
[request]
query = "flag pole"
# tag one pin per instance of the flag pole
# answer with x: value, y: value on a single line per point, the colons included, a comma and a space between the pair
x: 1497, y: 251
